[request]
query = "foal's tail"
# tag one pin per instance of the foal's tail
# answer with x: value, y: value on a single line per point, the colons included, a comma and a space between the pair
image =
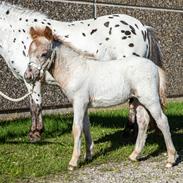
x: 154, y: 52
x: 162, y: 87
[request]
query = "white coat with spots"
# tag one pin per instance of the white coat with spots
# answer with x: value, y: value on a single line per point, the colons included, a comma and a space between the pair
x: 107, y: 37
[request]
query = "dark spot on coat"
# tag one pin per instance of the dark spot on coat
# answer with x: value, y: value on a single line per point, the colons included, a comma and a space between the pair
x: 67, y: 36
x: 124, y: 37
x: 14, y: 40
x: 81, y: 22
x: 93, y: 31
x: 136, y: 26
x: 35, y: 20
x: 12, y: 62
x: 22, y: 42
x: 124, y: 56
x: 97, y: 51
x: 26, y: 20
x: 19, y: 30
x: 122, y: 31
x: 136, y: 54
x: 131, y: 45
x: 20, y: 19
x: 42, y: 22
x: 88, y: 25
x: 110, y: 17
x: 144, y: 35
x: 24, y: 47
x: 117, y: 25
x: 115, y: 15
x: 84, y: 34
x: 127, y: 32
x: 106, y: 38
x: 49, y: 23
x: 132, y: 29
x: 110, y: 31
x: 123, y: 22
x: 100, y: 43
x: 7, y: 12
x: 24, y: 53
x: 23, y: 30
x: 129, y: 36
x: 106, y: 24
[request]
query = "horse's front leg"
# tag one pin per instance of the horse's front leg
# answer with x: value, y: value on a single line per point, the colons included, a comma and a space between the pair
x: 79, y: 108
x: 36, y: 113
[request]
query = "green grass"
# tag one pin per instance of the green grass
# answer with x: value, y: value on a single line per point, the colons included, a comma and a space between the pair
x: 21, y: 160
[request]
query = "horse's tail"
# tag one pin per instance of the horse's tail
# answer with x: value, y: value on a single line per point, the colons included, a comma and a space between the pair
x: 154, y: 51
x: 162, y: 87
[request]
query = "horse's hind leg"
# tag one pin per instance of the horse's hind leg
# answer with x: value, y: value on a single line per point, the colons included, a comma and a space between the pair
x: 88, y: 138
x: 143, y: 118
x: 162, y: 123
x: 36, y: 113
x: 131, y: 125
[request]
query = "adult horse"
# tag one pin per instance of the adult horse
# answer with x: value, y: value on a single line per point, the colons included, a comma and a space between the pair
x: 100, y: 84
x: 107, y: 37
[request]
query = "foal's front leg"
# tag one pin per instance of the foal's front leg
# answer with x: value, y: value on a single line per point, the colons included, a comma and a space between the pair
x: 79, y: 108
x: 36, y: 113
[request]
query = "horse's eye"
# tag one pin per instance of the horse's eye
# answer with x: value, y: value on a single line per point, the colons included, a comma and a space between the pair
x: 44, y: 55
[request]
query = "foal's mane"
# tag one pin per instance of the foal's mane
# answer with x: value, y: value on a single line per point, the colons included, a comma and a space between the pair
x: 39, y: 32
x: 13, y: 11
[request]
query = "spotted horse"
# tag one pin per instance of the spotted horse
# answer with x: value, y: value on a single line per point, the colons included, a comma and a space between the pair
x: 108, y: 37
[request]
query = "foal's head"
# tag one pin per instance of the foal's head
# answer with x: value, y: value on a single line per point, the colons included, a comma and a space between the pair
x: 41, y: 53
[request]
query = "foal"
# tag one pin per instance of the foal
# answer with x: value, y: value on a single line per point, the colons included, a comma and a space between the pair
x: 100, y: 84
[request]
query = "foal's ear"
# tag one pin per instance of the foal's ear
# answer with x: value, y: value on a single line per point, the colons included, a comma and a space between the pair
x: 48, y: 33
x: 33, y: 33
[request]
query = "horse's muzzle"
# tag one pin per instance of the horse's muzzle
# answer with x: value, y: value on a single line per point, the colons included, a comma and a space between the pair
x: 28, y: 76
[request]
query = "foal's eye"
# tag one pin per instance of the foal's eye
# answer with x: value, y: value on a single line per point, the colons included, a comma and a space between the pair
x: 44, y: 55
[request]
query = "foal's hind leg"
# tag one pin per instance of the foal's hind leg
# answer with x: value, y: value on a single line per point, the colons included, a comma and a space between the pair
x: 142, y: 117
x: 162, y: 123
x: 88, y: 138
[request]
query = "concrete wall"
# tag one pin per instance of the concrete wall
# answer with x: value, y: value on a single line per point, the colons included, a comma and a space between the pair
x: 165, y: 16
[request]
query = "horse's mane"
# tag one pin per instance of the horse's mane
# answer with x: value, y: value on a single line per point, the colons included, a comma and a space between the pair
x: 13, y: 11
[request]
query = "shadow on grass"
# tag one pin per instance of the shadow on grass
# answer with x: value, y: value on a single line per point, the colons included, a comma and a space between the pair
x: 55, y: 128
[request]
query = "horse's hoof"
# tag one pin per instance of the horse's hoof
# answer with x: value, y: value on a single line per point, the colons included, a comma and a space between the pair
x: 72, y: 168
x: 169, y: 165
x: 34, y: 137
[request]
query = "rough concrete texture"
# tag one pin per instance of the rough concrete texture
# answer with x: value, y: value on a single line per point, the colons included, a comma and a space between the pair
x: 168, y: 25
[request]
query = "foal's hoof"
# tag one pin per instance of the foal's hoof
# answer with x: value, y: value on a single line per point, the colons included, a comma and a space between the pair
x: 34, y: 136
x: 132, y: 158
x: 169, y: 165
x: 72, y: 168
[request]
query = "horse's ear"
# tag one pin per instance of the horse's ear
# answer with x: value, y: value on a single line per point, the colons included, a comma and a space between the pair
x: 48, y: 33
x: 33, y: 33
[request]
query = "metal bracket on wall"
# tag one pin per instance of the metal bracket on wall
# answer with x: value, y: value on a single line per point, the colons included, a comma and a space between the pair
x: 95, y: 9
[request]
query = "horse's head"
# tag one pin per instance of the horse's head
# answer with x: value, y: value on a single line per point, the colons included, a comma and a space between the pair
x: 41, y: 53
